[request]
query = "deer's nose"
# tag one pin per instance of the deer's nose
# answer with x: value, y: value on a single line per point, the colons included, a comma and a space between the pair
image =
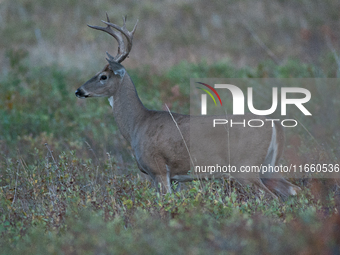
x: 80, y: 93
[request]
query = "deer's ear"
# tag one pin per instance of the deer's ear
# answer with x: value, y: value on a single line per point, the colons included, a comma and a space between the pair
x: 116, y: 68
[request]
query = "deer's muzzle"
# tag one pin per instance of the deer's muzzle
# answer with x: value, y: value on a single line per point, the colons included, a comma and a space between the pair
x: 81, y: 93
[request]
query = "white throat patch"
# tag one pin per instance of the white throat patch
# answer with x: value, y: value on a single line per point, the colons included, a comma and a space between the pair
x: 111, y: 101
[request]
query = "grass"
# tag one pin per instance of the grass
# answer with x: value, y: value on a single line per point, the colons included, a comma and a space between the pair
x: 68, y: 205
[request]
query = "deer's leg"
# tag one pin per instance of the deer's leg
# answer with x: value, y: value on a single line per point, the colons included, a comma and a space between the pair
x: 160, y: 173
x: 172, y: 182
x: 257, y: 182
x: 162, y: 183
x: 282, y: 186
x: 272, y: 180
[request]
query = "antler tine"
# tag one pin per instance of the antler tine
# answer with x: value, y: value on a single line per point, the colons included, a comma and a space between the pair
x: 107, y: 17
x: 134, y: 28
x: 110, y: 57
x: 124, y: 22
x: 117, y: 36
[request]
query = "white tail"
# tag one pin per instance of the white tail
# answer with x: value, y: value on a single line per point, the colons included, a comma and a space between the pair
x: 165, y: 144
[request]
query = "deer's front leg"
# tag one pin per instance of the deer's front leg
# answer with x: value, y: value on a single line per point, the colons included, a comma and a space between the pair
x: 162, y: 183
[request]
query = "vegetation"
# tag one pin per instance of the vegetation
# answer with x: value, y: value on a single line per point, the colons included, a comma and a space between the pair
x: 68, y: 181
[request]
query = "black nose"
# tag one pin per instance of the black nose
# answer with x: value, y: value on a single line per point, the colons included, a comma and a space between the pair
x: 79, y: 93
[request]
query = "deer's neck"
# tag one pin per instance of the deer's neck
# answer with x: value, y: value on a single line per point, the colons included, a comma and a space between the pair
x: 128, y: 110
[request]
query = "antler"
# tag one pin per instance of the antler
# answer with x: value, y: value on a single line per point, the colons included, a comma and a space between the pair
x: 123, y: 51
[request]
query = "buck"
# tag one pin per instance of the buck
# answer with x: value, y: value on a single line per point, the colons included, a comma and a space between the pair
x: 167, y: 146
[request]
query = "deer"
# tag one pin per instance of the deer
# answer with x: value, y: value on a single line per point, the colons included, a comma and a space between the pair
x: 164, y: 144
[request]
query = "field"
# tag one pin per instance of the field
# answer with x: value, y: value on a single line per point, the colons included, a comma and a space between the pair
x: 69, y: 183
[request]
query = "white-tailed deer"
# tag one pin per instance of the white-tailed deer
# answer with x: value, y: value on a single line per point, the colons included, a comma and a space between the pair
x: 165, y: 144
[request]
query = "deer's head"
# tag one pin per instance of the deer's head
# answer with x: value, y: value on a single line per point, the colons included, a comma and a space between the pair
x: 106, y: 82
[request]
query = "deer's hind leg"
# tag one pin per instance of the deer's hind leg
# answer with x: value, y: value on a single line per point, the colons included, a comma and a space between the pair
x: 258, y: 182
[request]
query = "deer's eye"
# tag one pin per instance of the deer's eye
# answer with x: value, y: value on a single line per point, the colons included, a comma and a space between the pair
x: 103, y: 77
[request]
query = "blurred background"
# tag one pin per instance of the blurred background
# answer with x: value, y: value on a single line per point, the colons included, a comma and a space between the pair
x: 245, y: 32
